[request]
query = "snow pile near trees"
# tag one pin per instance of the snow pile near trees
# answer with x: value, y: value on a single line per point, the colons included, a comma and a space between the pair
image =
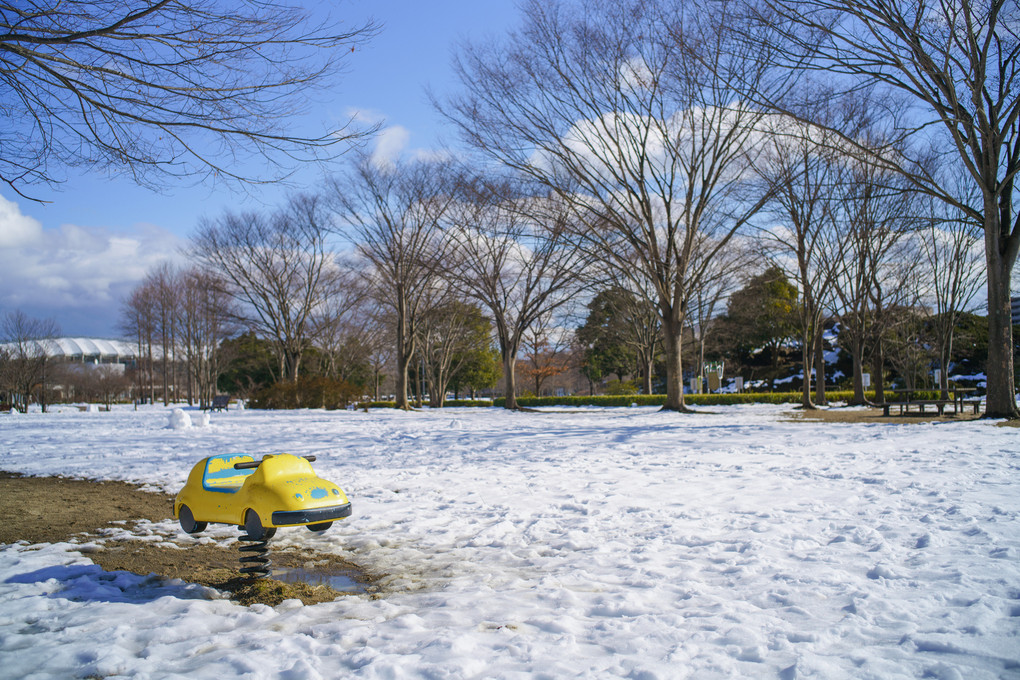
x: 577, y: 543
x: 179, y: 420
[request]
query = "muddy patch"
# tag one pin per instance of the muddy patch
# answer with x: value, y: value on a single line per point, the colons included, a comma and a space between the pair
x: 54, y: 510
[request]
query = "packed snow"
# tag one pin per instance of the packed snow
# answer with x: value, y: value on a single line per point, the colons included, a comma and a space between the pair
x: 571, y: 543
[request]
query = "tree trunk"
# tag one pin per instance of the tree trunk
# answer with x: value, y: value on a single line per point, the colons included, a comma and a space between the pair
x: 405, y: 352
x: 805, y: 358
x: 1001, y: 388
x: 166, y: 388
x: 945, y: 351
x: 509, y: 364
x: 152, y: 382
x: 672, y: 332
x: 401, y: 379
x: 418, y: 390
x: 42, y: 386
x: 878, y: 372
x: 820, y: 398
x: 293, y: 364
x: 857, y: 352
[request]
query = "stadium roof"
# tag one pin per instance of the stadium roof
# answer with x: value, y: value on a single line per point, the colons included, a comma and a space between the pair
x: 82, y: 349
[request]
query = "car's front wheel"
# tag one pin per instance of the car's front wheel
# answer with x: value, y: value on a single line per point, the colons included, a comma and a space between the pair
x: 188, y: 523
x: 253, y: 526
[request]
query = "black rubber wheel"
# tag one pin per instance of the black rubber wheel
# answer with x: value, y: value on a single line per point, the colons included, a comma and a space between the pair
x: 188, y: 522
x: 321, y: 526
x: 253, y: 525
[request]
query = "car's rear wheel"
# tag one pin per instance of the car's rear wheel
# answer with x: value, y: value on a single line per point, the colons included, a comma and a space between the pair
x: 321, y: 526
x: 188, y: 523
x: 253, y: 525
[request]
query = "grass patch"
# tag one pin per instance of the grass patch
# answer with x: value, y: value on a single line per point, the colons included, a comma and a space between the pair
x: 271, y: 592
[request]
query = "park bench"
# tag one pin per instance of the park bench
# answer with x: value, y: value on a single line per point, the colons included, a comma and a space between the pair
x: 221, y: 402
x: 973, y: 403
x: 905, y: 406
x: 959, y: 402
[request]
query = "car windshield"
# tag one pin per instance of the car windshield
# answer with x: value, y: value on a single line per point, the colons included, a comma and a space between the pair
x: 220, y: 474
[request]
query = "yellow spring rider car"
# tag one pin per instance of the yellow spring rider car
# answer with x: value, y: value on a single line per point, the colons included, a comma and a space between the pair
x: 258, y: 496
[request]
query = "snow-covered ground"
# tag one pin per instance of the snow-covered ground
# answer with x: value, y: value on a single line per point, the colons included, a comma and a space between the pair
x: 578, y: 543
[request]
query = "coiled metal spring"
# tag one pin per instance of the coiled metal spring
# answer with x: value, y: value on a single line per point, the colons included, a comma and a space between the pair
x: 257, y: 564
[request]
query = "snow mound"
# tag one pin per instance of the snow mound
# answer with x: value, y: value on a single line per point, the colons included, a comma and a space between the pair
x: 179, y: 420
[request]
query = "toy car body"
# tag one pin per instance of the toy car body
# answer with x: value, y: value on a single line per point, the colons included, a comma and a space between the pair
x: 280, y: 490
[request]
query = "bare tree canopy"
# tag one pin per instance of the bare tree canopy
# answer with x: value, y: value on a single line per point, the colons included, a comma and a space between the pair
x: 802, y: 240
x: 22, y: 364
x: 394, y: 215
x: 626, y: 112
x: 955, y: 64
x: 159, y: 88
x: 278, y: 268
x: 514, y: 255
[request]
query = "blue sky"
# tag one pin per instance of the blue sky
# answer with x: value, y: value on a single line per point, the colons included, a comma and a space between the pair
x: 74, y: 258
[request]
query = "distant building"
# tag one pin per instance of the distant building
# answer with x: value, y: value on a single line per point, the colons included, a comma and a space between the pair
x: 86, y: 350
x: 90, y: 369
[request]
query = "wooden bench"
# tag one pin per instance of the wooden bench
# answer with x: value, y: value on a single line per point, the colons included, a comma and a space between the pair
x: 221, y: 402
x: 973, y: 403
x: 939, y: 404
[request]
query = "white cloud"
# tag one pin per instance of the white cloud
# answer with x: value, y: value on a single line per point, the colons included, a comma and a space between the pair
x: 391, y: 141
x: 390, y: 144
x: 74, y: 273
x: 365, y: 116
x: 16, y: 229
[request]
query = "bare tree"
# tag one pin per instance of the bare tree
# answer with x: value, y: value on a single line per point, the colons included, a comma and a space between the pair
x: 101, y: 383
x: 377, y: 338
x: 24, y: 359
x: 646, y: 338
x: 162, y: 286
x: 635, y: 323
x: 910, y: 347
x: 873, y: 263
x: 546, y: 350
x: 514, y: 254
x: 625, y: 111
x: 955, y: 63
x: 138, y: 320
x: 894, y: 288
x: 804, y: 172
x: 204, y: 321
x: 448, y: 333
x: 394, y: 216
x: 951, y: 248
x: 719, y: 278
x: 278, y: 269
x: 339, y: 326
x: 160, y: 88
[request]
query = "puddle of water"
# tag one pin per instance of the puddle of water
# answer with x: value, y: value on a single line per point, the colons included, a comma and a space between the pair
x: 338, y: 580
